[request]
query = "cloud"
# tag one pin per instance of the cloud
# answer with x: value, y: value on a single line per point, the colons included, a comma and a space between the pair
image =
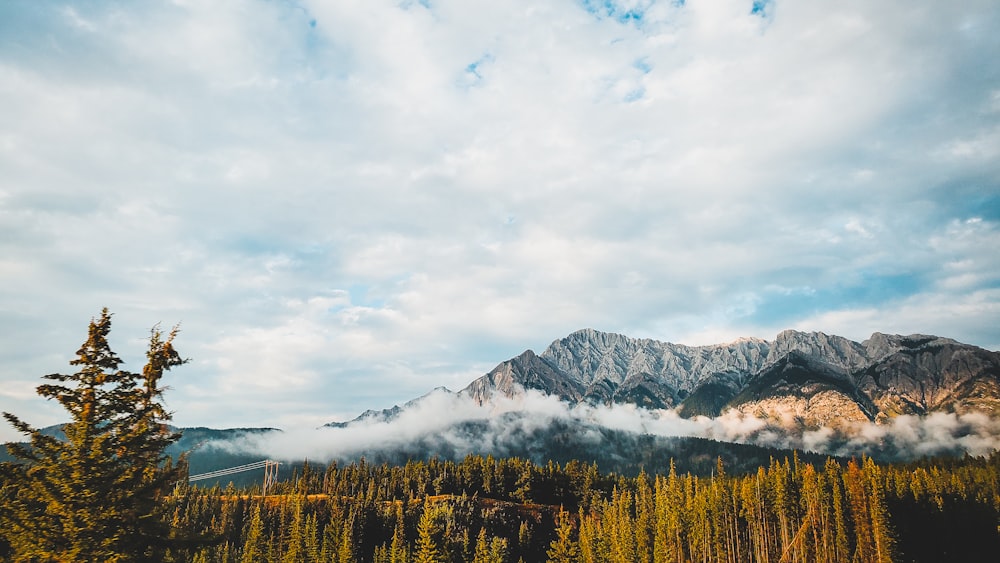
x: 654, y: 168
x: 454, y: 425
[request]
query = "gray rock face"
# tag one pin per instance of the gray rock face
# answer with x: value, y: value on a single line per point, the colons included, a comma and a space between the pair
x: 526, y: 371
x: 928, y: 374
x: 609, y: 360
x: 835, y: 351
x: 811, y: 374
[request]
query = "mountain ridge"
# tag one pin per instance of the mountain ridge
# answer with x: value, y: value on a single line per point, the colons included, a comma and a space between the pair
x: 617, y: 399
x: 800, y: 378
x: 809, y: 378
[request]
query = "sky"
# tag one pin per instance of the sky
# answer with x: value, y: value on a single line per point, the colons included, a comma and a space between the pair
x: 346, y: 204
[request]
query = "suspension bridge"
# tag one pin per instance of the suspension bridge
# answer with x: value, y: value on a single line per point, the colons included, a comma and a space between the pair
x: 270, y: 468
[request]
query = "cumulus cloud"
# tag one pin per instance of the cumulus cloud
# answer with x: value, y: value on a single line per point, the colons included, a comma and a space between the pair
x: 347, y: 204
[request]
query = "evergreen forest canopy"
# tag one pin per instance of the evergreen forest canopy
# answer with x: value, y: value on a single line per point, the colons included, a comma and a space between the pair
x: 108, y: 492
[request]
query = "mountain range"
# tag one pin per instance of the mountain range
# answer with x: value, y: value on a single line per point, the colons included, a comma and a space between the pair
x: 627, y: 403
x: 803, y: 378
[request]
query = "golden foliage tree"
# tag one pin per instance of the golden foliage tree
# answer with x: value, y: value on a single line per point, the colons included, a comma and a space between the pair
x: 95, y: 493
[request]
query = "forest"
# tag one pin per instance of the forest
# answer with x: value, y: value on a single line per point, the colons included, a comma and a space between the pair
x: 507, y: 510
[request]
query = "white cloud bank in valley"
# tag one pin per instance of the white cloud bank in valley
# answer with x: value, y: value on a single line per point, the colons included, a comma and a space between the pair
x: 435, y: 424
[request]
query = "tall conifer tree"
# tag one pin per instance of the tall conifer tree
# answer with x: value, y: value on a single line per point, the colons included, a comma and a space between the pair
x: 95, y: 494
x: 563, y: 549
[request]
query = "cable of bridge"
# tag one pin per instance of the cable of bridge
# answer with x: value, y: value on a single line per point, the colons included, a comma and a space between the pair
x: 263, y: 464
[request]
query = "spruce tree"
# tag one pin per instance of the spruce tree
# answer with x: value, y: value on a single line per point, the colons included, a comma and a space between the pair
x: 482, y: 554
x: 94, y: 494
x: 563, y: 549
x: 254, y: 543
x: 399, y: 550
x: 428, y: 531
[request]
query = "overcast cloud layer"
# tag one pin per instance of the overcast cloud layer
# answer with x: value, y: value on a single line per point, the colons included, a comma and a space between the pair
x: 347, y: 204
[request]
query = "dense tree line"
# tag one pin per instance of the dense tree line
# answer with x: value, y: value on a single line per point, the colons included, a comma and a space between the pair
x: 486, y: 509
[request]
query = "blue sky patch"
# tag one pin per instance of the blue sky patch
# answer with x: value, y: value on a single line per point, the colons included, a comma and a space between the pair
x: 254, y: 246
x: 784, y: 306
x: 643, y: 65
x: 407, y: 4
x: 362, y: 296
x: 634, y: 95
x: 613, y: 10
x: 474, y: 70
x: 968, y: 199
x: 761, y: 8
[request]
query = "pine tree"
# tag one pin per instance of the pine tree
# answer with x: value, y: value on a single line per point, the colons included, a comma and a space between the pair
x: 593, y: 545
x: 524, y: 536
x: 428, y: 530
x: 95, y: 495
x: 482, y: 554
x: 644, y: 519
x: 254, y: 548
x: 833, y: 475
x: 398, y: 551
x: 345, y: 550
x: 312, y: 549
x: 621, y: 527
x: 879, y: 514
x: 563, y: 549
x: 331, y: 539
x: 498, y: 550
x: 857, y: 495
x: 295, y: 552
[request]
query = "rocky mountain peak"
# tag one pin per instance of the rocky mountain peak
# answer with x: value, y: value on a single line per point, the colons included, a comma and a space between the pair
x: 887, y: 374
x: 880, y: 345
x: 526, y: 371
x: 835, y: 350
